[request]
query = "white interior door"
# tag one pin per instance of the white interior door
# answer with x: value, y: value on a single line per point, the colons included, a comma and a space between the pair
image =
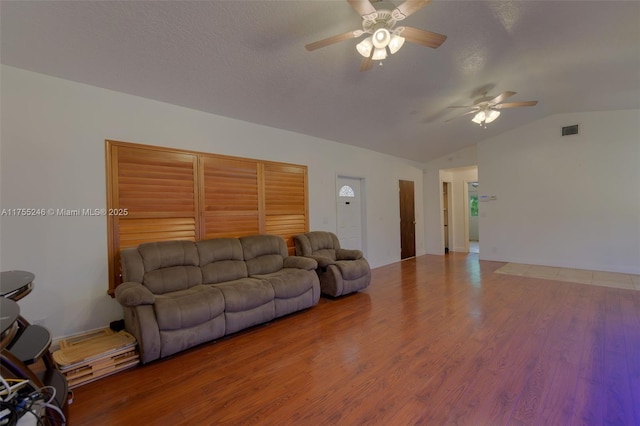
x: 349, y: 212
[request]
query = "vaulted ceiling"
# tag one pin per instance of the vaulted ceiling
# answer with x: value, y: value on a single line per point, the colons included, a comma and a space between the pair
x: 246, y: 60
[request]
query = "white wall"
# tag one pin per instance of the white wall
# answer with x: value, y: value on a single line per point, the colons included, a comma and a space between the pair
x: 53, y: 156
x: 569, y: 201
x: 562, y: 201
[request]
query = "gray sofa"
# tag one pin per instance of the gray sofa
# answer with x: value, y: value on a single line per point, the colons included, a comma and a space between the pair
x: 178, y: 294
x: 341, y: 271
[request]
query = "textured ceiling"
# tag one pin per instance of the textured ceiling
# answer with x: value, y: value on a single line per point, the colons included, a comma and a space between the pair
x: 246, y: 60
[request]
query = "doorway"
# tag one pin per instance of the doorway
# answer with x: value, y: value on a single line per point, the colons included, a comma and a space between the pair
x: 446, y: 215
x: 407, y: 220
x: 472, y: 211
x: 350, y: 212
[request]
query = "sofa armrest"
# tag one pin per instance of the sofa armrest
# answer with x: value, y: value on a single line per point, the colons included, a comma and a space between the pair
x: 300, y: 262
x: 132, y: 294
x: 323, y: 261
x: 344, y: 254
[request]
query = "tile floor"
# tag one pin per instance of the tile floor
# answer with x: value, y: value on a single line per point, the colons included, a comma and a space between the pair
x: 583, y: 276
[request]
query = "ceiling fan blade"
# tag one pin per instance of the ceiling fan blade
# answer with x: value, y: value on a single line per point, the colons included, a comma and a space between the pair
x: 460, y: 116
x: 363, y: 7
x: 331, y: 40
x: 516, y: 104
x: 411, y: 6
x: 366, y: 64
x: 423, y: 37
x: 501, y: 97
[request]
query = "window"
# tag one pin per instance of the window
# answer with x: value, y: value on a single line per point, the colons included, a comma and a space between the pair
x: 473, y: 205
x: 346, y: 191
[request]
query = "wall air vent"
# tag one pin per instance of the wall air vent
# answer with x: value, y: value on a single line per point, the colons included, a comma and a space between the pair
x: 570, y: 130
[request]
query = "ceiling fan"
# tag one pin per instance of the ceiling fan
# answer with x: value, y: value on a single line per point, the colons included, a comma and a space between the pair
x: 486, y: 108
x: 384, y: 34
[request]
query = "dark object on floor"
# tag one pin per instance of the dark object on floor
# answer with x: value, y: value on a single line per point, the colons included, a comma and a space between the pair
x: 117, y: 325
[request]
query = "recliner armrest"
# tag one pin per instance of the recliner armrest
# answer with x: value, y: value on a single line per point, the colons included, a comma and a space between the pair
x: 344, y: 254
x: 132, y: 294
x: 300, y: 262
x: 323, y: 261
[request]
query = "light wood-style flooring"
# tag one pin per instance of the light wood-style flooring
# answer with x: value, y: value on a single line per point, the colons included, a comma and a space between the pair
x: 435, y: 340
x: 582, y: 276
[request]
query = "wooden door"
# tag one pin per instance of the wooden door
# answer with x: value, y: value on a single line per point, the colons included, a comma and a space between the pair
x: 407, y: 220
x: 350, y: 213
x: 445, y: 214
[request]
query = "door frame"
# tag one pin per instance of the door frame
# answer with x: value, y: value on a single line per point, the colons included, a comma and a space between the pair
x: 449, y: 212
x: 363, y: 206
x: 466, y: 214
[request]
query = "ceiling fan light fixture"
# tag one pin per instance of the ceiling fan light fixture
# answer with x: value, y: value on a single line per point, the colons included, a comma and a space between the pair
x: 364, y: 47
x: 379, y: 54
x: 479, y: 117
x: 396, y: 43
x: 491, y: 115
x: 381, y: 38
x: 380, y: 26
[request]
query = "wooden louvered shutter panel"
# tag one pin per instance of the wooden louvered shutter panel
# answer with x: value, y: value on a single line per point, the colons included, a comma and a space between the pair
x: 173, y: 194
x: 230, y: 197
x: 286, y: 202
x: 158, y: 190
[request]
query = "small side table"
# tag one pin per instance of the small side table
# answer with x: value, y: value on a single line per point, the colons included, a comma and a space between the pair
x: 15, y: 285
x: 8, y: 321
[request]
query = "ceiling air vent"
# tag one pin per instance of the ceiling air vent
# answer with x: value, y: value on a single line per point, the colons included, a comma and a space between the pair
x: 570, y: 130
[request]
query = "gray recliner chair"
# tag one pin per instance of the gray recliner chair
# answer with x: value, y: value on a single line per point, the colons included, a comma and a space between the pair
x: 340, y: 271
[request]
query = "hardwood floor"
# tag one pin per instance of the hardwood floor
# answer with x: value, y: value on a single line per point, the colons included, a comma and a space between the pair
x: 434, y: 340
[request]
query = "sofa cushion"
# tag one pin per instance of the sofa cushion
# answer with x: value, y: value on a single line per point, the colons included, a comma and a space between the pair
x: 164, y: 254
x: 236, y: 321
x: 175, y: 278
x: 317, y: 243
x: 289, y: 282
x: 221, y: 260
x: 320, y: 240
x: 263, y: 254
x: 188, y: 308
x: 223, y: 271
x: 245, y: 294
x: 265, y: 264
x: 170, y: 266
